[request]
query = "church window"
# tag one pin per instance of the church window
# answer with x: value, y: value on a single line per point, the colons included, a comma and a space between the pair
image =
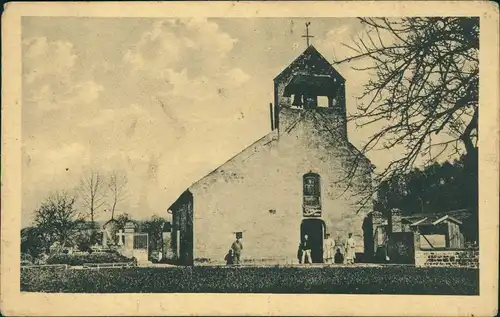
x: 239, y: 235
x: 312, y: 191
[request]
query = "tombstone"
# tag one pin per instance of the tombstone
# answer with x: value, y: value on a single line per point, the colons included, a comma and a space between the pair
x: 129, y: 239
x: 104, y: 240
x: 109, y: 229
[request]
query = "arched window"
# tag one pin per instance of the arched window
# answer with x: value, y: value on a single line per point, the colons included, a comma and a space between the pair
x: 312, y: 194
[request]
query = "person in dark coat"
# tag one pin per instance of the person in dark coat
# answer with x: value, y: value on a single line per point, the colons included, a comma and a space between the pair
x: 305, y: 246
x: 229, y: 257
x: 339, y: 258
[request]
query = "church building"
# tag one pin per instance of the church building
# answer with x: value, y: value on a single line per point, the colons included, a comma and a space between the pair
x: 293, y: 181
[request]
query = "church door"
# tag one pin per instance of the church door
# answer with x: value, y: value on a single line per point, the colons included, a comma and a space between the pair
x: 315, y: 230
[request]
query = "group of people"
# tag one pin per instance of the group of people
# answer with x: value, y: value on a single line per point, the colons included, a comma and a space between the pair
x: 233, y: 256
x: 329, y: 256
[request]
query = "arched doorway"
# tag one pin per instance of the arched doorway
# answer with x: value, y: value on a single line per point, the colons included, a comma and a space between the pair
x: 315, y: 230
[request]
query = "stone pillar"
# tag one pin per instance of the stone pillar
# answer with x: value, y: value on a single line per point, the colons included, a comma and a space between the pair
x: 416, y: 239
x: 396, y: 224
x: 129, y: 239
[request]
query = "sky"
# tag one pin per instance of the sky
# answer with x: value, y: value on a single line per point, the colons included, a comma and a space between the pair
x: 163, y: 100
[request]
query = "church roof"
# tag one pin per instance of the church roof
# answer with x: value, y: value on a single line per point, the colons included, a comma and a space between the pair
x: 258, y: 145
x: 268, y: 140
x: 312, y: 62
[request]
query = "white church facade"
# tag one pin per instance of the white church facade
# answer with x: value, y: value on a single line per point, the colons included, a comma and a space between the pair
x: 293, y: 181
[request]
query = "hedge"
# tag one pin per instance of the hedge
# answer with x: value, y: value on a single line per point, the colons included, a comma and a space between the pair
x: 316, y: 280
x: 80, y: 259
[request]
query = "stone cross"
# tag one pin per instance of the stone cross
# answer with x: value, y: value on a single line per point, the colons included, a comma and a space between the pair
x: 120, y: 235
x: 307, y: 36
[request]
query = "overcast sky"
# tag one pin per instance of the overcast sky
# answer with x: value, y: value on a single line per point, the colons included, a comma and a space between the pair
x: 93, y: 90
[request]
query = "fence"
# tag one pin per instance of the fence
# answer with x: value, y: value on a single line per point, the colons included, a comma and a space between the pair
x: 141, y: 241
x: 46, y: 266
x: 98, y: 266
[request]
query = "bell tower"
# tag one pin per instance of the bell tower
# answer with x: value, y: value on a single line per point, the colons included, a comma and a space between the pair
x: 310, y: 83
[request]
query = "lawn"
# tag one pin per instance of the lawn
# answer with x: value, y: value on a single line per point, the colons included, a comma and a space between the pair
x: 319, y: 280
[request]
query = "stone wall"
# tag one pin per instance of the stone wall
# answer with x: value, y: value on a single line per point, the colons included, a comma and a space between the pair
x: 447, y: 258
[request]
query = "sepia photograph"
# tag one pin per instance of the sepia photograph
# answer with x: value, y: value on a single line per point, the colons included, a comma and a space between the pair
x: 251, y: 154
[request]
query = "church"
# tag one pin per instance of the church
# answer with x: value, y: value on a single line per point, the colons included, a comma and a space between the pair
x: 291, y: 182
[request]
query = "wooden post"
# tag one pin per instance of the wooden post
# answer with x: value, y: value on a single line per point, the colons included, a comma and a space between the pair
x: 271, y: 115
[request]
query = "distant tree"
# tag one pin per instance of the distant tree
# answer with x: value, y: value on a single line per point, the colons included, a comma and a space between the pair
x: 426, y: 81
x: 57, y: 219
x: 436, y: 188
x: 117, y: 185
x: 93, y: 190
x: 33, y: 242
x: 154, y: 229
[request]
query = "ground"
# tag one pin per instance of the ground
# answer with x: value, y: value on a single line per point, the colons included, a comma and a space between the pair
x: 313, y: 279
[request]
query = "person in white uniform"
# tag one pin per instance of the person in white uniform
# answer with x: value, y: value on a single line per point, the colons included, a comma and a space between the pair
x: 350, y: 250
x: 328, y: 249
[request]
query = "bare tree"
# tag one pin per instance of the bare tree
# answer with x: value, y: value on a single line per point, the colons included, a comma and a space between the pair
x: 117, y: 185
x: 425, y: 83
x: 92, y: 190
x: 57, y: 219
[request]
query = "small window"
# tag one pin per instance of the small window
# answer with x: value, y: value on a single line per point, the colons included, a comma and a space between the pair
x: 239, y: 235
x: 311, y: 184
x: 323, y: 101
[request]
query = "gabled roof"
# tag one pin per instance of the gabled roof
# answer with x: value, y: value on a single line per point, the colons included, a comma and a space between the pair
x: 433, y: 219
x: 266, y: 140
x: 316, y: 59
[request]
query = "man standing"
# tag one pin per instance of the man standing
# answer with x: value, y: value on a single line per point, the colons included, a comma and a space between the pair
x: 328, y: 247
x: 305, y: 246
x: 350, y: 250
x: 237, y: 247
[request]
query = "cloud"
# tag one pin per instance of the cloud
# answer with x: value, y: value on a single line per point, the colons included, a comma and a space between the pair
x: 43, y: 58
x: 171, y: 42
x: 50, y: 76
x: 187, y: 59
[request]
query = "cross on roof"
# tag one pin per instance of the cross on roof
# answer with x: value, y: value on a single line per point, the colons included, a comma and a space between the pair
x: 307, y: 36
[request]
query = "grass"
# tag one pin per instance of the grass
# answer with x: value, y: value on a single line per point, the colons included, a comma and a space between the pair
x: 317, y: 280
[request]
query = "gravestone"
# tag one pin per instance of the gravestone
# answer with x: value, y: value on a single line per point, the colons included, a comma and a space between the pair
x: 128, y: 245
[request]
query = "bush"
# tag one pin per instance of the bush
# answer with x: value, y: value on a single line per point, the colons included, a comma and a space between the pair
x: 25, y: 263
x: 25, y: 257
x: 80, y: 259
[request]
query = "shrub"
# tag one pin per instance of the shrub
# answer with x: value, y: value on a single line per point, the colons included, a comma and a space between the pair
x: 80, y: 259
x: 25, y: 263
x: 25, y: 257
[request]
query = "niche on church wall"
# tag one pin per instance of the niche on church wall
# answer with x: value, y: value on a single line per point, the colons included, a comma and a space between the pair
x: 312, y: 195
